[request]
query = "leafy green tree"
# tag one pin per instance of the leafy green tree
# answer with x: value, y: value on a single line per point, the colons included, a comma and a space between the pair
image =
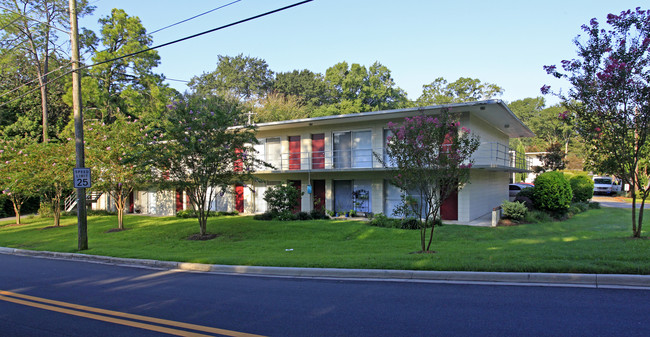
x: 241, y: 77
x: 432, y: 157
x: 355, y: 88
x: 308, y: 87
x: 462, y: 90
x: 279, y: 107
x: 16, y: 173
x: 30, y: 27
x: 608, y: 102
x: 53, y: 163
x: 197, y: 150
x: 107, y: 148
x: 553, y: 159
x: 127, y: 85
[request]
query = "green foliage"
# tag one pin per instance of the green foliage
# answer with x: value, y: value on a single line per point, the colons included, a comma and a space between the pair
x: 527, y: 197
x: 266, y: 216
x: 318, y: 214
x: 514, y: 210
x: 608, y: 100
x: 552, y: 192
x: 432, y: 157
x: 303, y: 216
x: 594, y: 205
x: 308, y: 87
x: 553, y: 159
x: 582, y: 187
x: 355, y: 88
x: 464, y: 89
x: 127, y: 85
x: 536, y: 216
x: 241, y: 77
x: 282, y: 198
x: 381, y: 220
x: 194, y: 150
x: 286, y: 216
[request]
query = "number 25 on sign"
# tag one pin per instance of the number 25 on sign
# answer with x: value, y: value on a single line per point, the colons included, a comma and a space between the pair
x: 81, y: 177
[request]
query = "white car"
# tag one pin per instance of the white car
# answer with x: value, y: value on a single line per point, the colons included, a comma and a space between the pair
x: 606, y: 185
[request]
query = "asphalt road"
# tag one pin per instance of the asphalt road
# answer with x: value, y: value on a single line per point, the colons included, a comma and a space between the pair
x: 239, y: 305
x: 613, y: 201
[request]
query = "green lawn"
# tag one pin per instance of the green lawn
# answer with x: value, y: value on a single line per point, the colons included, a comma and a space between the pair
x: 597, y: 241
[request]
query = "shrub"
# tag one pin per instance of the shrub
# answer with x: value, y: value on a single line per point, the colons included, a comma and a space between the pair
x: 552, y: 192
x: 381, y: 220
x: 46, y: 210
x: 574, y: 210
x: 514, y: 210
x: 526, y: 196
x: 318, y: 214
x: 583, y: 206
x: 282, y: 198
x: 266, y: 216
x: 303, y: 216
x: 410, y: 223
x: 594, y: 205
x: 537, y: 216
x: 582, y: 187
x: 186, y: 213
x: 286, y: 216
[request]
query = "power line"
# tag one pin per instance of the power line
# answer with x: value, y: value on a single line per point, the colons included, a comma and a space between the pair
x: 166, y: 44
x: 194, y: 17
x: 29, y: 18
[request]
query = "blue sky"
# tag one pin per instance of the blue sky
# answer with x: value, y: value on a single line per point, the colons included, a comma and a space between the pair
x: 501, y: 42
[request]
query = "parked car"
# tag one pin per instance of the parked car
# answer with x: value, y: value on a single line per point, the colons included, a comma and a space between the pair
x: 516, y: 188
x: 606, y: 185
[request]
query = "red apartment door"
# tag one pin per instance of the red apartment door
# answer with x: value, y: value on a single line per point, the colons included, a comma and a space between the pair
x: 294, y: 152
x: 239, y: 198
x: 296, y: 185
x: 318, y: 151
x: 318, y: 188
x: 449, y: 207
x: 179, y: 200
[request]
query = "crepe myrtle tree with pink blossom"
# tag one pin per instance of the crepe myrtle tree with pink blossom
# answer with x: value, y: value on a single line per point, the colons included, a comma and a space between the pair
x: 16, y: 172
x: 431, y: 156
x: 202, y: 149
x: 108, y: 146
x: 52, y: 163
x: 608, y: 103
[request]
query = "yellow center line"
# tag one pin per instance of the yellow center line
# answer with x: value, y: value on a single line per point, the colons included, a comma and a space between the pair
x: 196, y: 327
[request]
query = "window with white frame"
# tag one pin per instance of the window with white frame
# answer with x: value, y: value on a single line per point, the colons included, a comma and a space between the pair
x: 270, y: 151
x: 352, y: 149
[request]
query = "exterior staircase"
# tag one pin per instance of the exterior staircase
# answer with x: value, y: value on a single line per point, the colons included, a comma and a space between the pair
x: 71, y: 200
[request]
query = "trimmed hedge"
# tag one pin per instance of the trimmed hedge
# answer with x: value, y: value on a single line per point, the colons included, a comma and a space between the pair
x: 552, y: 192
x: 582, y: 187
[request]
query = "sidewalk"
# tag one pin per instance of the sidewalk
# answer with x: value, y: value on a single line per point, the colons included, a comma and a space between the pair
x: 527, y: 279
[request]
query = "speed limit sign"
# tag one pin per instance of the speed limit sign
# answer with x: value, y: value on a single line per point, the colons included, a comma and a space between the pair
x: 81, y: 177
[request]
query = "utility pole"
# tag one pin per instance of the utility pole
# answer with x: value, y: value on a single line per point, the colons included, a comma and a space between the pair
x: 82, y: 224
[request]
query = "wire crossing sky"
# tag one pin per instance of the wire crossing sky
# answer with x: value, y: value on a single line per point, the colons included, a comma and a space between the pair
x: 505, y: 42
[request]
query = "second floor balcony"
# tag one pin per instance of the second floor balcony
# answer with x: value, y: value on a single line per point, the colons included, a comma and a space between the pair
x: 490, y: 155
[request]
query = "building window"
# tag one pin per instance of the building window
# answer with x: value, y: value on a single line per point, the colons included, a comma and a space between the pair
x: 352, y: 149
x: 270, y: 151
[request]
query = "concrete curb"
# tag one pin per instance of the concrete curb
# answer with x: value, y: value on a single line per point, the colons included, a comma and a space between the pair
x: 583, y: 280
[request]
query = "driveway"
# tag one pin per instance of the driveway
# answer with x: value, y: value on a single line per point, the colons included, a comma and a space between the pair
x: 613, y: 201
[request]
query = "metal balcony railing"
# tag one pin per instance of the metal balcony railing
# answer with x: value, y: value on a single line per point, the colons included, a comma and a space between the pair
x: 488, y: 155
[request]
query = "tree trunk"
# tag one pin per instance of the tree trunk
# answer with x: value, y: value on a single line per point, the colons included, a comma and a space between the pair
x: 17, y: 206
x: 56, y: 210
x: 635, y: 232
x: 120, y: 202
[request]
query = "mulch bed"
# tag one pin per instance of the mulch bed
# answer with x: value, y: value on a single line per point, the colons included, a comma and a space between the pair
x: 112, y: 230
x: 199, y: 237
